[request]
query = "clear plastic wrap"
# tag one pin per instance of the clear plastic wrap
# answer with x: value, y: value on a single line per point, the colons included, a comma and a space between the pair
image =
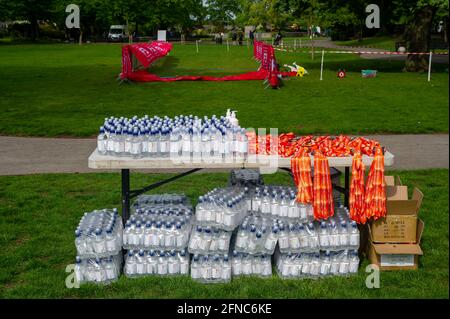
x: 98, y: 270
x: 207, y: 240
x: 156, y: 262
x: 149, y: 200
x: 99, y: 234
x: 251, y: 265
x: 257, y: 235
x: 315, y: 265
x: 337, y: 233
x: 211, y: 268
x: 280, y: 202
x: 158, y: 228
x: 223, y: 208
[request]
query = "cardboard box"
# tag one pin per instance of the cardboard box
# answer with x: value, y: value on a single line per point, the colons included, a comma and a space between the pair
x: 400, y: 223
x: 396, y: 256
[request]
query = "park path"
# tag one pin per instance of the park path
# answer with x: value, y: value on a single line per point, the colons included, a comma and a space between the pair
x: 328, y: 44
x: 33, y: 155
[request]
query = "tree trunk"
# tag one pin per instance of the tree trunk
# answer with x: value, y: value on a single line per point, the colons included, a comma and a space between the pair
x: 34, y: 29
x: 418, y: 39
x: 80, y: 38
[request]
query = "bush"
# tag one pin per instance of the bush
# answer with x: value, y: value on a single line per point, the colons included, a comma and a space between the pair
x: 4, y: 33
x: 50, y: 32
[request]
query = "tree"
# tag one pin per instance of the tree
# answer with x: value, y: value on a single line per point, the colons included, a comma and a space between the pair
x: 30, y: 10
x: 264, y: 14
x: 418, y: 16
x: 222, y: 12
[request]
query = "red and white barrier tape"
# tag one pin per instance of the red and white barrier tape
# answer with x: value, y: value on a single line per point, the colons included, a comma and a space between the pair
x: 367, y: 52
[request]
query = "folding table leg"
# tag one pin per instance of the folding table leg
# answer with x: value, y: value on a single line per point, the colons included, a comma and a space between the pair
x: 347, y: 186
x: 125, y: 195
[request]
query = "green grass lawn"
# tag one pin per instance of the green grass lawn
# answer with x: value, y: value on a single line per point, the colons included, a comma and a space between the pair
x: 67, y: 90
x: 40, y: 212
x: 384, y: 42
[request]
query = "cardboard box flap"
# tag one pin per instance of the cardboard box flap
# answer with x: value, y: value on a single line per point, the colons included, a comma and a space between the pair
x: 389, y: 180
x: 392, y: 180
x: 397, y: 192
x: 418, y: 197
x: 402, y: 207
x: 397, y: 249
x: 420, y: 226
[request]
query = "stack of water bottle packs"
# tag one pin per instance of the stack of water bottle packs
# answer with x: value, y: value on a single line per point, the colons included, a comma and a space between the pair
x: 235, y: 231
x: 205, y: 139
x: 98, y: 240
x: 217, y: 215
x: 319, y: 248
x: 159, y: 222
x: 157, y: 235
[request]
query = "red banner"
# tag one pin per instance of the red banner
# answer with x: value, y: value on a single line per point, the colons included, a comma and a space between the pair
x: 265, y: 54
x: 147, y: 53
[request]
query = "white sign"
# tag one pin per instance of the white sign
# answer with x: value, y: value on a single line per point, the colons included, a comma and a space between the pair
x: 162, y: 34
x: 373, y: 19
x: 73, y: 19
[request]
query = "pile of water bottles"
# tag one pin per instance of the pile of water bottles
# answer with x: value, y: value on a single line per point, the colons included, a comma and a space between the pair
x: 188, y: 136
x: 279, y: 202
x: 222, y: 208
x: 156, y: 262
x: 211, y: 268
x: 235, y: 231
x: 98, y: 240
x: 318, y: 264
x: 98, y: 270
x: 157, y: 235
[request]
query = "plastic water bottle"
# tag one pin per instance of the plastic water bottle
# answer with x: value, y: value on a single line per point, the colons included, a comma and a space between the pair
x: 324, y: 237
x: 206, y: 145
x: 101, y: 141
x: 136, y: 146
x: 186, y: 144
x: 175, y: 143
x: 153, y: 143
x: 353, y: 262
x: 343, y: 235
x: 325, y: 264
x: 164, y: 143
x: 344, y: 265
x: 354, y: 236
